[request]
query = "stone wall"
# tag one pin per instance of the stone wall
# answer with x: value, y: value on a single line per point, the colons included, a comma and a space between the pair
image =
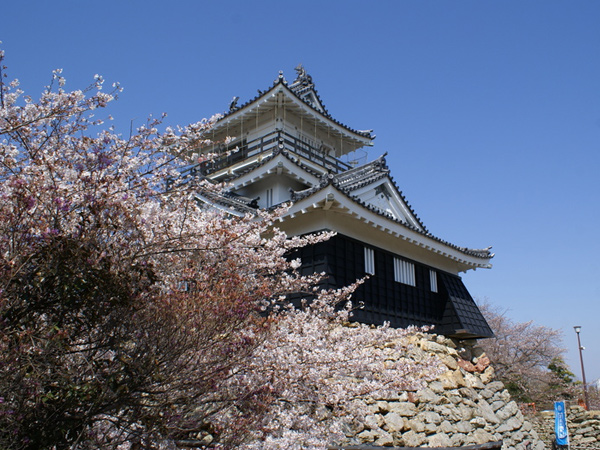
x: 464, y: 406
x: 584, y: 427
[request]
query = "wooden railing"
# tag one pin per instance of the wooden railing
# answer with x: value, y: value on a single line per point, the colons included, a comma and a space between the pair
x: 267, y: 144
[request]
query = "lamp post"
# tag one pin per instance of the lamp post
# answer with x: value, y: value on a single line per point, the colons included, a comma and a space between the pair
x: 585, y: 394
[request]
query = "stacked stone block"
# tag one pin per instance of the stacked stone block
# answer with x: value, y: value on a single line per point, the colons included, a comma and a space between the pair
x: 584, y: 427
x: 464, y: 406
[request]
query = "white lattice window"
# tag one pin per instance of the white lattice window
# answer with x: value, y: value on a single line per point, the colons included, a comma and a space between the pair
x: 269, y: 197
x: 369, y: 261
x: 433, y: 280
x: 404, y: 272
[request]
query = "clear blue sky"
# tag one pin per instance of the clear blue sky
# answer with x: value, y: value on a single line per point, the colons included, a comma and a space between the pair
x: 490, y: 111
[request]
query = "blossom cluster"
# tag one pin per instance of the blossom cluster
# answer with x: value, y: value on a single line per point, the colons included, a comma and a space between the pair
x: 130, y: 313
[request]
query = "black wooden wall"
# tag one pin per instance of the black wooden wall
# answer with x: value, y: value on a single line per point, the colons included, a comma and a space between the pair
x: 386, y: 300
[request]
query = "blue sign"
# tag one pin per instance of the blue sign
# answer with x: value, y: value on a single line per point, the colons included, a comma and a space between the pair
x: 560, y: 424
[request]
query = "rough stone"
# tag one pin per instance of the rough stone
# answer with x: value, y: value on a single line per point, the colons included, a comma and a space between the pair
x: 393, y: 422
x: 437, y: 387
x: 481, y: 437
x: 458, y: 408
x: 464, y: 427
x: 508, y: 411
x: 457, y: 439
x: 367, y: 436
x: 431, y: 417
x: 585, y: 431
x: 405, y: 409
x: 427, y: 396
x: 446, y: 427
x: 433, y: 347
x: 478, y: 422
x: 449, y: 361
x: 502, y: 395
x: 468, y: 393
x: 385, y: 439
x: 412, y: 439
x: 403, y: 397
x: 486, y: 412
x: 439, y: 440
x: 488, y: 374
x: 511, y: 424
x: 371, y: 422
x: 466, y: 412
x: 454, y: 399
x: 466, y: 365
x: 380, y: 407
x: 416, y: 425
x: 473, y: 381
x: 495, y: 386
x: 497, y: 405
x: 453, y: 379
x: 449, y: 412
x: 431, y: 428
x: 486, y: 393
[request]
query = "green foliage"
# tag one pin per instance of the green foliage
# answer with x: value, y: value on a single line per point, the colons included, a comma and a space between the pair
x: 528, y: 359
x: 561, y: 371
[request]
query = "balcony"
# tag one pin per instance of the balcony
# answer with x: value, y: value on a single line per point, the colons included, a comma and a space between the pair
x: 266, y: 145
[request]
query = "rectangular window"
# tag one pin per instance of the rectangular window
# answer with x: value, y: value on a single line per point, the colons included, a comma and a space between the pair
x: 433, y: 280
x: 404, y: 272
x: 269, y: 197
x: 369, y: 261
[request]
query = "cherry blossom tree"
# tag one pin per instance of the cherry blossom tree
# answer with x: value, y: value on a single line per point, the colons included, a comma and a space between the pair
x: 317, y: 365
x: 131, y: 315
x: 527, y: 357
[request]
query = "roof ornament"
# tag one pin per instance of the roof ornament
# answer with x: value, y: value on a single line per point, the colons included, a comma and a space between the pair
x: 233, y: 105
x: 280, y: 79
x: 326, y: 179
x: 302, y: 78
x: 304, y: 88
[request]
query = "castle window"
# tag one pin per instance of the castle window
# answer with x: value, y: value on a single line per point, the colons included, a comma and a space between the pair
x: 369, y: 261
x: 433, y: 280
x: 404, y: 272
x: 269, y: 197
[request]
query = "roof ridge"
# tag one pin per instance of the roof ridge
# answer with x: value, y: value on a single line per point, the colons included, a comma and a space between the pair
x: 329, y: 180
x: 281, y: 81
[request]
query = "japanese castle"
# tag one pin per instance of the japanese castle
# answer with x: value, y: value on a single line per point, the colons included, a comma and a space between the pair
x: 290, y: 149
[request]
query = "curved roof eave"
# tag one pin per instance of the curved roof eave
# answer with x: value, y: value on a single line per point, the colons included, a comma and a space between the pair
x: 364, y: 137
x: 386, y: 173
x: 310, y: 176
x: 480, y: 254
x: 263, y: 162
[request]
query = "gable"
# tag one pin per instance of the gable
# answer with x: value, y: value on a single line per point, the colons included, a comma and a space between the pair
x: 383, y: 196
x: 279, y: 164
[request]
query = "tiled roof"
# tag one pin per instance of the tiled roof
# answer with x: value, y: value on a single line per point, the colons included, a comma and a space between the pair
x: 347, y: 182
x: 363, y: 175
x: 281, y: 81
x: 462, y: 314
x: 359, y: 177
x: 229, y: 201
x: 369, y: 173
x: 264, y: 161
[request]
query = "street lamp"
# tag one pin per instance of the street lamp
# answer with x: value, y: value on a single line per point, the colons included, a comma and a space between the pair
x: 585, y: 394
